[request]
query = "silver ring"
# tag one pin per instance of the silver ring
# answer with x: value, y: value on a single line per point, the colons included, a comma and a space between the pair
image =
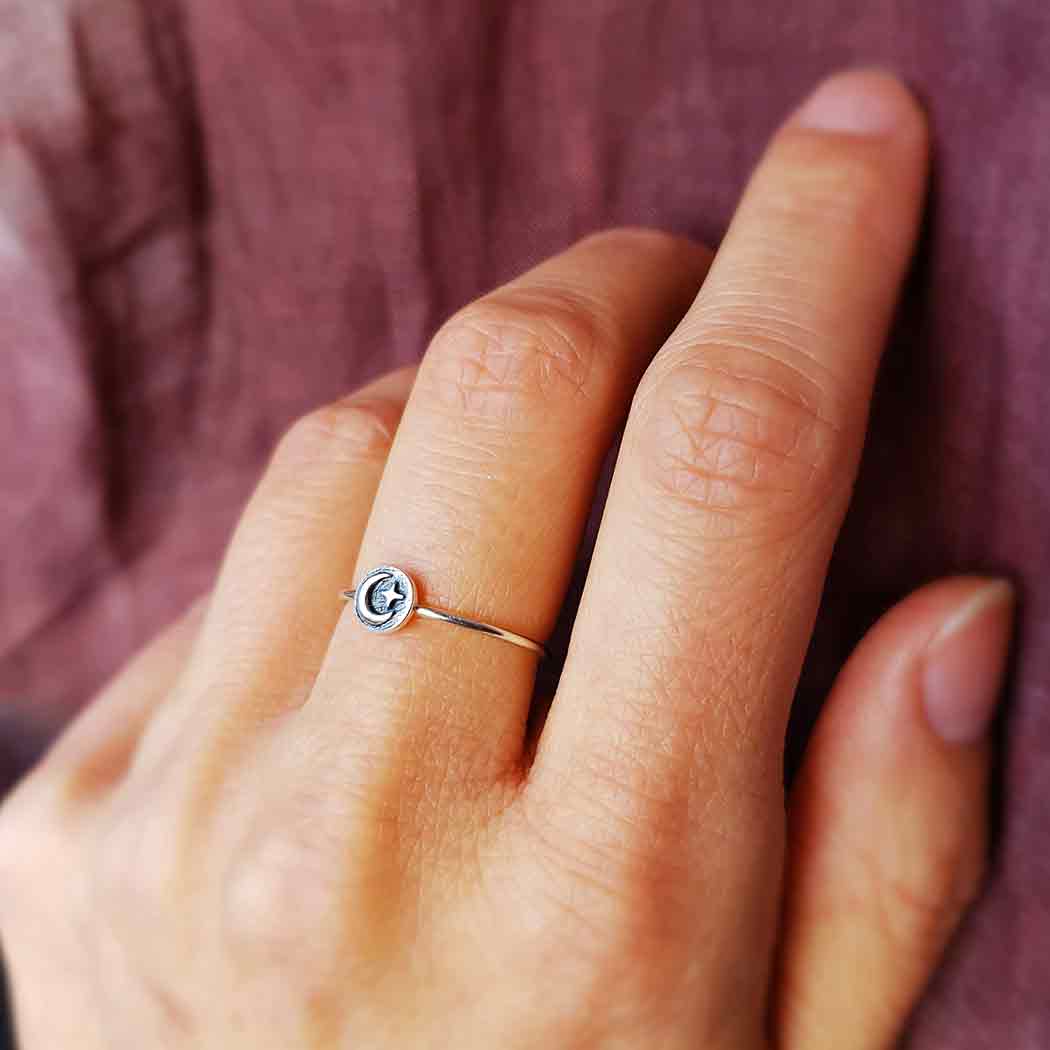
x: 385, y: 601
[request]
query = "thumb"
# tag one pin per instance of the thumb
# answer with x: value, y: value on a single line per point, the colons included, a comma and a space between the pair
x: 888, y: 817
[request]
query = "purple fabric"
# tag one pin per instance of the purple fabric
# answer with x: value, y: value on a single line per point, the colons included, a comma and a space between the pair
x: 215, y: 214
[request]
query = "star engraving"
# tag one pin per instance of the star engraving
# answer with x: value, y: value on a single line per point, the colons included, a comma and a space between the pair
x: 390, y: 593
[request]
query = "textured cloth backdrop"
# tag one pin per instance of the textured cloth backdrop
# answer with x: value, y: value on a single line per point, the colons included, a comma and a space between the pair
x: 215, y: 214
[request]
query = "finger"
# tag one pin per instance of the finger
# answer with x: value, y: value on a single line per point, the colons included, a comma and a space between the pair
x: 887, y: 824
x: 741, y: 448
x: 732, y: 480
x: 276, y: 600
x: 95, y: 749
x: 488, y: 487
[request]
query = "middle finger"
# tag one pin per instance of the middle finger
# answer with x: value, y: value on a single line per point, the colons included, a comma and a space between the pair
x: 661, y: 760
x: 739, y: 457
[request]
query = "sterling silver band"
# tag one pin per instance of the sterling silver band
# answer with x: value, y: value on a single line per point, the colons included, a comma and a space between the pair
x: 385, y: 601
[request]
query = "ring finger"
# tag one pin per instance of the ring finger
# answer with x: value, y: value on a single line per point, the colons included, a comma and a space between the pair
x: 486, y: 492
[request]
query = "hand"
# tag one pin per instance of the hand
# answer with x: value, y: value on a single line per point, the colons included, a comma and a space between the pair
x: 276, y: 829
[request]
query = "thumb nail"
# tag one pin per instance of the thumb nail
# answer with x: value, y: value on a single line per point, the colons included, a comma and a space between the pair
x: 965, y: 663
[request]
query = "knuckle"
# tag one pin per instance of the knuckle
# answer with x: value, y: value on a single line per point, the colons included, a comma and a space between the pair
x: 599, y: 914
x: 280, y: 904
x: 519, y: 355
x: 734, y: 431
x: 133, y: 873
x: 604, y: 879
x: 352, y: 430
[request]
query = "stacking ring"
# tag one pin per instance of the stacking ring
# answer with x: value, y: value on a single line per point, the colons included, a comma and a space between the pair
x: 385, y: 601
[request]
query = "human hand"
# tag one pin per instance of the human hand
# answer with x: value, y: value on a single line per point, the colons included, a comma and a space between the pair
x: 276, y: 829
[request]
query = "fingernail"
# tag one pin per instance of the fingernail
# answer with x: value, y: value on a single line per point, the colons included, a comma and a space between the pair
x: 857, y: 103
x: 964, y: 664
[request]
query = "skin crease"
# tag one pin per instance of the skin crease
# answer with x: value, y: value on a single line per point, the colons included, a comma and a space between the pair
x: 274, y: 829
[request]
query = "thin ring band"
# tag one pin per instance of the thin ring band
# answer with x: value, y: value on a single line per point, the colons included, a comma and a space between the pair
x: 385, y: 601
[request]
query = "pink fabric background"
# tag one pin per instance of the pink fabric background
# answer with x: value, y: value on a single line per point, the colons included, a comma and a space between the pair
x: 215, y: 214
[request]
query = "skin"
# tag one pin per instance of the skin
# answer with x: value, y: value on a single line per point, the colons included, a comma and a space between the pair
x: 275, y: 829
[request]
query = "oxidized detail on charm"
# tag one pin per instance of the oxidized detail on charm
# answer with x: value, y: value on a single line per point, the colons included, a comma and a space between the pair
x: 385, y: 599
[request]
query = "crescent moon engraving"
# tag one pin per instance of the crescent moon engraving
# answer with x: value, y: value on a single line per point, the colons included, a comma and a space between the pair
x: 364, y: 604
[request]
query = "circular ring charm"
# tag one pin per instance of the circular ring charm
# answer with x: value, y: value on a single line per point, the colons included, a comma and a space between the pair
x: 385, y: 600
